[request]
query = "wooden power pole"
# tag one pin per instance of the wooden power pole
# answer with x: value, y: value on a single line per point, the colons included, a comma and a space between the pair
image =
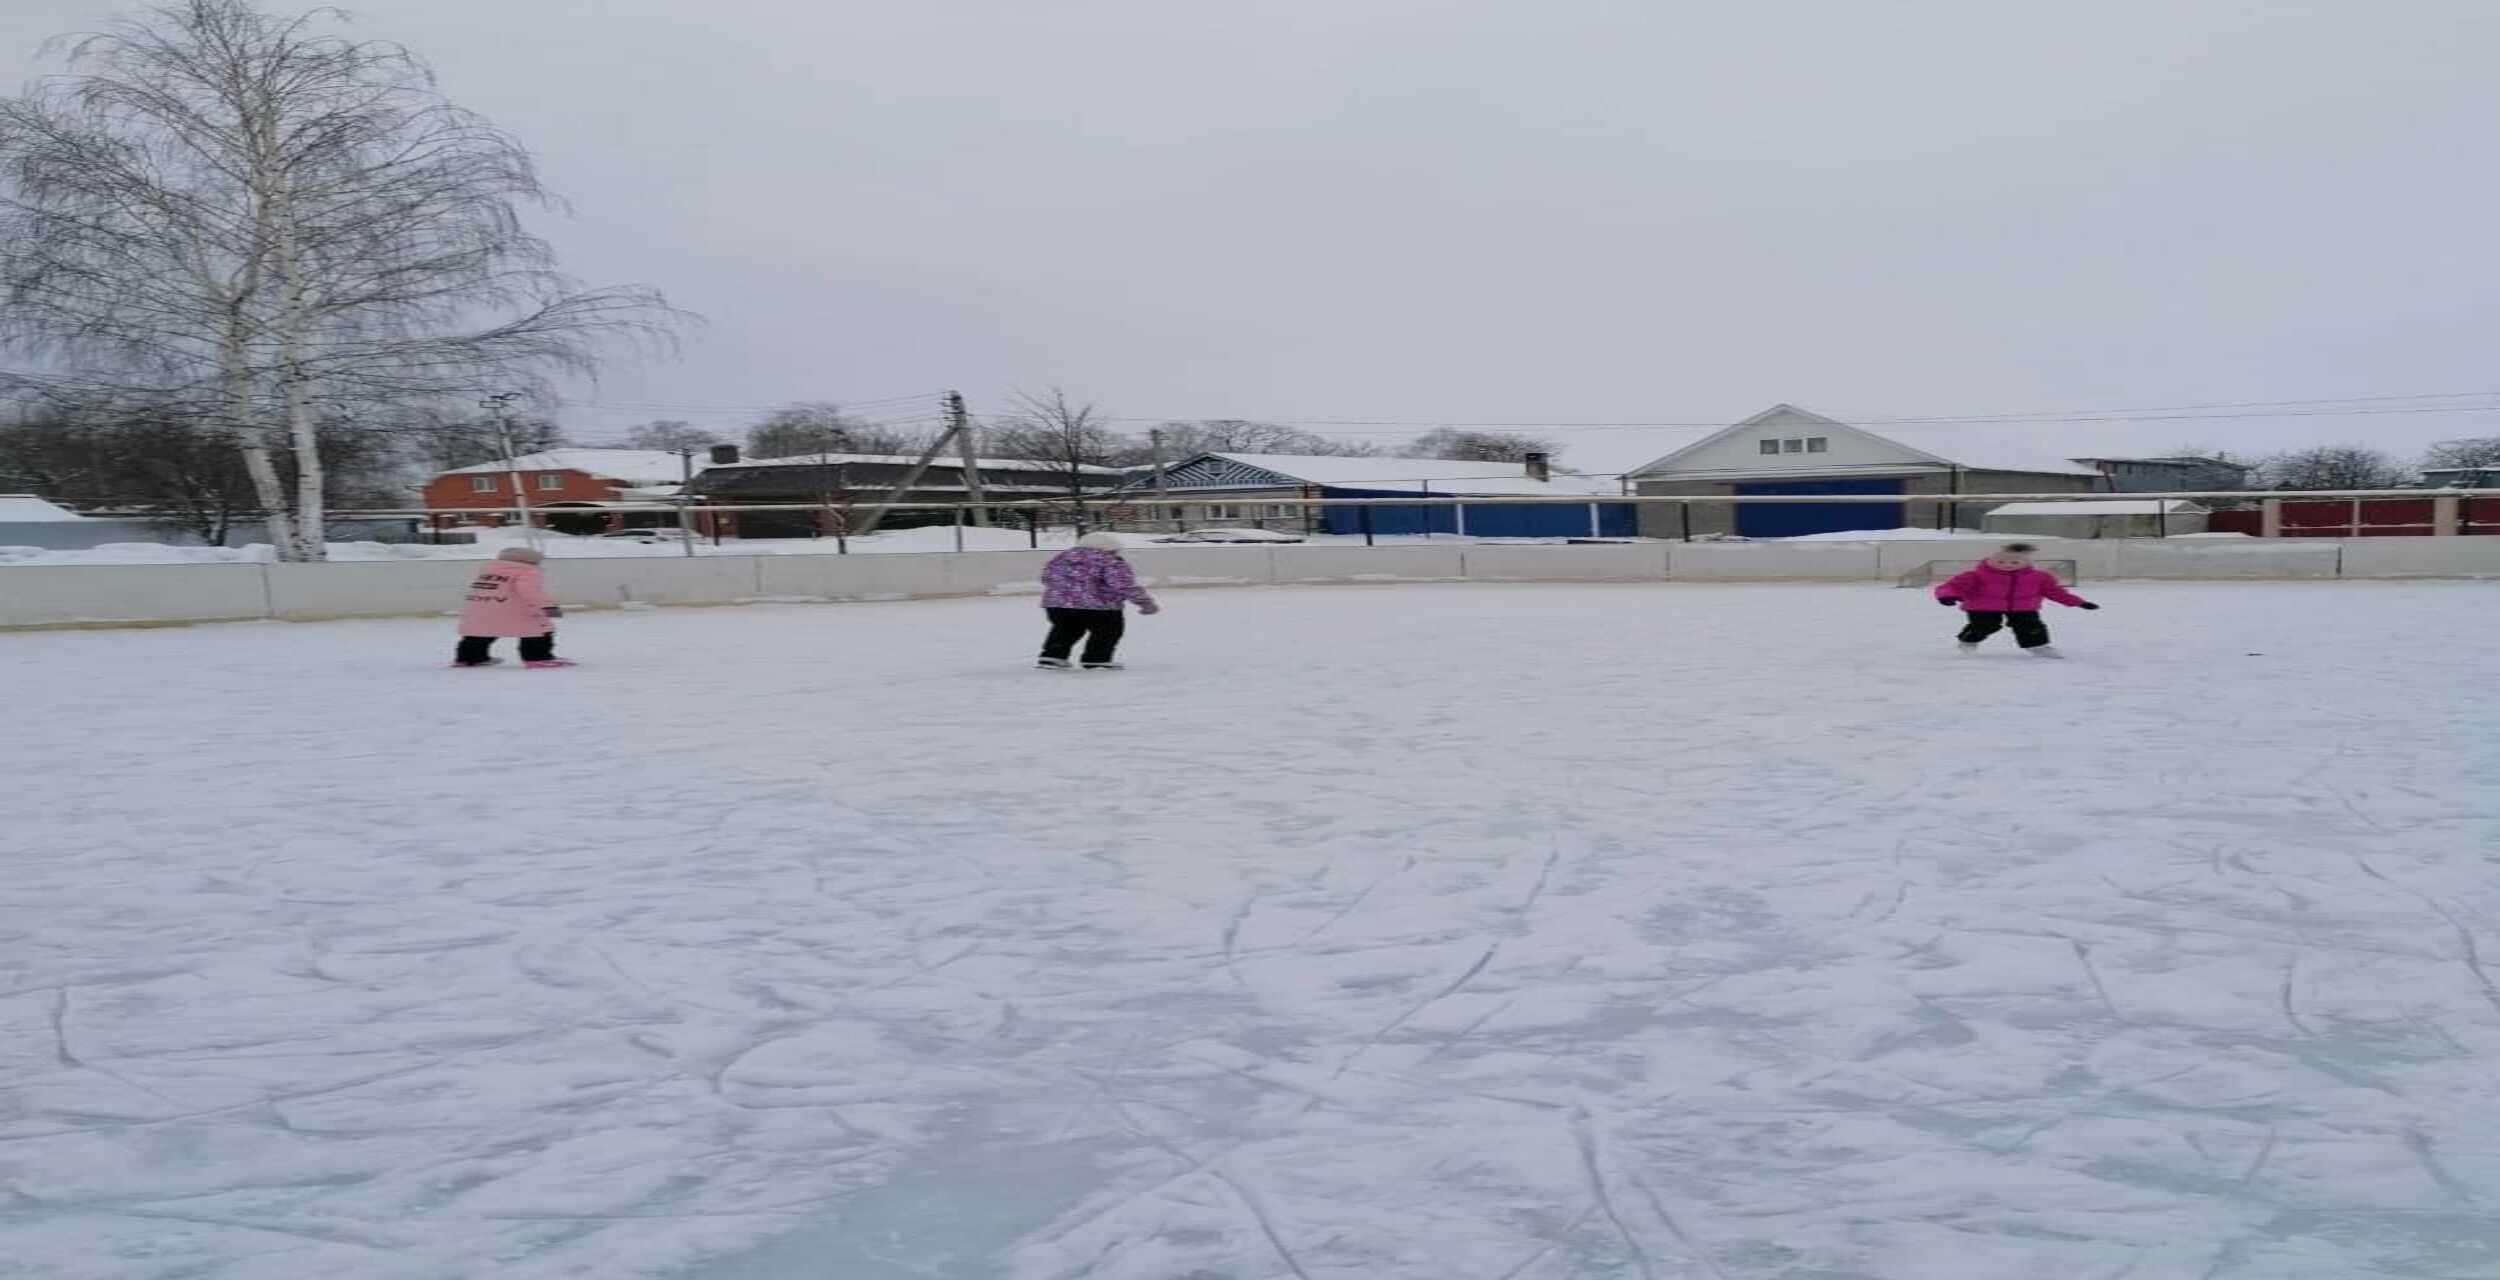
x: 968, y: 443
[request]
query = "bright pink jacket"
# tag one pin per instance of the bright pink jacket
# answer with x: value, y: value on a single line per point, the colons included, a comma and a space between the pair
x: 1987, y: 589
x: 507, y: 598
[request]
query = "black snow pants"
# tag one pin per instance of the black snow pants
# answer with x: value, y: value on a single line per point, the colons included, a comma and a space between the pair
x: 2029, y: 631
x: 475, y: 651
x: 1100, y: 629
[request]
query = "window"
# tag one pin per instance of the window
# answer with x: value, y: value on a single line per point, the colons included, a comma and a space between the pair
x: 1279, y: 511
x: 1818, y: 444
x: 1792, y: 446
x: 481, y: 484
x: 1770, y: 446
x: 550, y: 479
x: 1223, y: 513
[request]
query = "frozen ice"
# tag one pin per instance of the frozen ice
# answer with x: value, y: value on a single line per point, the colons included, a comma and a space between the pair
x: 1431, y: 932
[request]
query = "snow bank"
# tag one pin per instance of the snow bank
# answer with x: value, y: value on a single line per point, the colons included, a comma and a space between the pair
x: 931, y: 539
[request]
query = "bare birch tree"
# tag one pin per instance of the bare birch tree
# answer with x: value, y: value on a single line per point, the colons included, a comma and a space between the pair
x: 249, y: 211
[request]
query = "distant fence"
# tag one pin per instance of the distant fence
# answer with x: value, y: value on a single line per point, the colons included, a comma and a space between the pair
x: 71, y: 595
x: 2414, y: 517
x: 2340, y: 513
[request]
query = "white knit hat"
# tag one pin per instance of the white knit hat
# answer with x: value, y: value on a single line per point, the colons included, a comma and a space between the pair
x: 1102, y: 542
x: 526, y: 555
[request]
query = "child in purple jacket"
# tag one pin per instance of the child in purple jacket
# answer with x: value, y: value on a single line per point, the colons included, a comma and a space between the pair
x: 2007, y: 588
x: 1085, y: 590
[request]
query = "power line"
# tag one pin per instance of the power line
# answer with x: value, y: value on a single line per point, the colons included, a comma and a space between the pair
x: 1386, y: 427
x: 934, y: 397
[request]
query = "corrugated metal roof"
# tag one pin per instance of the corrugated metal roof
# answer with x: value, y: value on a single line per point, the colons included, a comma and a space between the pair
x: 1402, y: 475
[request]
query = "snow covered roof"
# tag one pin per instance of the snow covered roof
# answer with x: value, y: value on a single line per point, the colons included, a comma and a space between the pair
x: 26, y: 508
x: 2167, y: 506
x: 2016, y: 447
x: 1488, y: 479
x: 633, y: 466
x: 906, y: 459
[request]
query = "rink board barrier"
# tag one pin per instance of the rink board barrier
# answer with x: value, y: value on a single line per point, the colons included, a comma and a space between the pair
x: 109, y: 595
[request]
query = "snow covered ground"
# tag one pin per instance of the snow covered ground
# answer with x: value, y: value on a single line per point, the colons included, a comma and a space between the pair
x: 900, y: 541
x: 1444, y: 933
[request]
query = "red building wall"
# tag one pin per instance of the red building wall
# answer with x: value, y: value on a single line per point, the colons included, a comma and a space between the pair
x: 457, y: 492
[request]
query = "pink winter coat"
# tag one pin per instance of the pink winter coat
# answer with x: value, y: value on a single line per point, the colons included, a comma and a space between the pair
x: 507, y: 598
x: 1984, y: 588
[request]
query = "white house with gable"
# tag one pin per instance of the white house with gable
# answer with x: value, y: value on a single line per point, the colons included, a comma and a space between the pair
x: 1785, y: 450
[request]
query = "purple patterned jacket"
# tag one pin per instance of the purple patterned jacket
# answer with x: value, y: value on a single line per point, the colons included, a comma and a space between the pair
x: 1083, y: 578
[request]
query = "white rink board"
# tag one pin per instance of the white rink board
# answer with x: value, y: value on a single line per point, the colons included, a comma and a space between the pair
x: 65, y: 594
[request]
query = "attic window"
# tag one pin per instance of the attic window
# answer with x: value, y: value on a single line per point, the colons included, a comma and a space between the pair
x: 1797, y: 444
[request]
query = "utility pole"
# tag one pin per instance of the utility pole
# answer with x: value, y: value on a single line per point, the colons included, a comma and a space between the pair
x: 1163, y: 491
x: 500, y: 405
x: 968, y: 444
x: 685, y: 529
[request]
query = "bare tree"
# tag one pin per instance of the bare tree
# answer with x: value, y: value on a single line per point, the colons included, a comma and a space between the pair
x: 2339, y: 466
x: 1070, y: 436
x: 2472, y: 452
x: 244, y: 212
x: 671, y: 435
x: 1237, y: 435
x: 166, y: 459
x: 1463, y: 445
x: 809, y: 427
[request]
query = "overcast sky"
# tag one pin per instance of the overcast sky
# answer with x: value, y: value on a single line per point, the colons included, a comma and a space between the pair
x: 1504, y: 211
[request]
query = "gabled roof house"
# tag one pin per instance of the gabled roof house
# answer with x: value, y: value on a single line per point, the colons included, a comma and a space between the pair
x: 1785, y: 450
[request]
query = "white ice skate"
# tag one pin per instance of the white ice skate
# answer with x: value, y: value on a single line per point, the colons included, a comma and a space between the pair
x: 1104, y: 666
x: 2044, y: 651
x: 1055, y: 664
x: 1968, y: 647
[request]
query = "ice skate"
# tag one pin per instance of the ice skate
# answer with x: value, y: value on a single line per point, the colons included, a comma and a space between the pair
x: 490, y: 662
x: 1104, y: 666
x: 1055, y: 664
x: 541, y: 664
x: 1966, y: 647
x: 2044, y: 651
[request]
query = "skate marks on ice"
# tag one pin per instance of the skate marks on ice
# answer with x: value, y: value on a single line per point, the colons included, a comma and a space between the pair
x: 1668, y: 962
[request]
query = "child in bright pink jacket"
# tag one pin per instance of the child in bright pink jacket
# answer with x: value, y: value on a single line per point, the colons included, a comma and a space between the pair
x: 2007, y: 588
x: 509, y: 598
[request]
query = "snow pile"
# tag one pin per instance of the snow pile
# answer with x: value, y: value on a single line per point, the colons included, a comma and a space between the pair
x: 1348, y: 934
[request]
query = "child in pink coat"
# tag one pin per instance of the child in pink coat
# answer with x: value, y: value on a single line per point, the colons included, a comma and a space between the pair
x: 509, y: 598
x: 2007, y: 588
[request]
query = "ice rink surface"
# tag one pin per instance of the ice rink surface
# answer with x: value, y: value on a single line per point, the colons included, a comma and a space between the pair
x: 1443, y: 933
